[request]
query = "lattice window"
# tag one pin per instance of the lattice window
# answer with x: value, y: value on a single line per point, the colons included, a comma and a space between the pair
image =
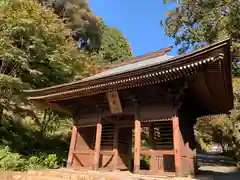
x: 124, y: 139
x: 163, y: 134
x: 214, y: 67
x: 107, y: 136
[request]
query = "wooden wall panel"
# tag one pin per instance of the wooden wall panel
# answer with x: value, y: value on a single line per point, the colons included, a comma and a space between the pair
x: 84, y: 148
x: 106, y: 160
x: 86, y: 119
x: 124, y: 147
x: 85, y: 138
x: 156, y: 111
x: 82, y: 161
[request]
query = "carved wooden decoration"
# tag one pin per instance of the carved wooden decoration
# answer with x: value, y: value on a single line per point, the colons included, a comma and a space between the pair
x: 114, y: 102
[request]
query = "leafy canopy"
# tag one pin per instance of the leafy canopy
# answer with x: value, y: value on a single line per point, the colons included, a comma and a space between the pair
x: 36, y: 50
x: 114, y: 46
x: 76, y: 14
x: 106, y: 44
x: 195, y: 23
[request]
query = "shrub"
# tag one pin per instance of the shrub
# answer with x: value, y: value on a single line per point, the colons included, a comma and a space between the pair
x: 14, y: 162
x: 51, y: 161
x: 33, y: 162
x: 10, y: 161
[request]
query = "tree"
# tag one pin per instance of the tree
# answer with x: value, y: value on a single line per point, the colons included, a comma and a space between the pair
x: 195, y: 23
x: 114, y: 46
x: 36, y: 50
x: 105, y: 44
x: 76, y: 14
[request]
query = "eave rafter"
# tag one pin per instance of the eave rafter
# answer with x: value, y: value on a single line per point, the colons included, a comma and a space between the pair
x: 153, y: 77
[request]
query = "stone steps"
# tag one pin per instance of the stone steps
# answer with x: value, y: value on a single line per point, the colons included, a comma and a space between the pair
x: 67, y: 174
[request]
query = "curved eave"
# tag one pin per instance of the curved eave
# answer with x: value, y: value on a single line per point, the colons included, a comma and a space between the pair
x: 174, y: 68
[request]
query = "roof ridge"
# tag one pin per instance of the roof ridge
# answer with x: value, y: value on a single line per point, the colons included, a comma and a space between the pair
x: 160, y: 52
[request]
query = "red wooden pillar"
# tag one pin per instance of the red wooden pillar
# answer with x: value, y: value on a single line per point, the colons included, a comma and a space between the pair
x: 178, y: 146
x: 191, y: 158
x: 137, y: 144
x: 115, y: 147
x: 190, y: 149
x: 72, y: 146
x: 97, y: 146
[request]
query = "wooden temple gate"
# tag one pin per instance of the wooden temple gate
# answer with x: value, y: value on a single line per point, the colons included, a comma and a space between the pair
x: 154, y: 98
x: 160, y: 151
x: 102, y: 146
x: 108, y: 145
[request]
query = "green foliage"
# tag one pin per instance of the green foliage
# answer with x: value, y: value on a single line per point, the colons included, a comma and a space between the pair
x: 34, y: 149
x: 86, y: 27
x: 36, y: 50
x: 114, y: 46
x: 49, y: 121
x: 39, y: 49
x: 106, y: 44
x: 195, y: 23
x: 35, y: 45
x: 51, y: 161
x: 10, y: 161
x: 33, y: 162
x: 14, y: 162
x: 224, y: 129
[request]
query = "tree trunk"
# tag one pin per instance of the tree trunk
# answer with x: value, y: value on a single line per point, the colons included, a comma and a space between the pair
x: 1, y: 115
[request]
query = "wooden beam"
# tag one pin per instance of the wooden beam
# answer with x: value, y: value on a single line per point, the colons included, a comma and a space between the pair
x: 115, y: 146
x: 72, y: 146
x: 54, y: 106
x: 97, y: 146
x: 85, y: 125
x: 150, y: 152
x: 59, y: 108
x: 137, y: 144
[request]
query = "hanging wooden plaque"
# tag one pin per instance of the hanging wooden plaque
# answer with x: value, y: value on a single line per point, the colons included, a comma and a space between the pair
x: 114, y: 102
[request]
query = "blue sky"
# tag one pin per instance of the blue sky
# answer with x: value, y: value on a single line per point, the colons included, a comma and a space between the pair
x: 138, y: 20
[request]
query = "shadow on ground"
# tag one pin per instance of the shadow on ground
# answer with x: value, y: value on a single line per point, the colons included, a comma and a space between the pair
x: 219, y: 173
x: 217, y: 167
x: 214, y: 160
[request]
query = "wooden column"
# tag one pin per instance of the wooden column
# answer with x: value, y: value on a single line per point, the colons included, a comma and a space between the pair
x: 137, y: 144
x: 97, y: 146
x: 72, y: 146
x: 190, y: 148
x: 191, y: 160
x: 115, y: 147
x: 178, y: 143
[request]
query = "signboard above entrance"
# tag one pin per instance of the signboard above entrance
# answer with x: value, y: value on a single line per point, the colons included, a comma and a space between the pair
x: 114, y: 102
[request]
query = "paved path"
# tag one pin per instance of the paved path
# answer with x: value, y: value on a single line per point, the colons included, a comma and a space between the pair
x: 221, y: 172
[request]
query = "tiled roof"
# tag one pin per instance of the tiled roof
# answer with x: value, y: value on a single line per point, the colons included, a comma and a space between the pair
x: 130, y: 67
x: 149, y: 69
